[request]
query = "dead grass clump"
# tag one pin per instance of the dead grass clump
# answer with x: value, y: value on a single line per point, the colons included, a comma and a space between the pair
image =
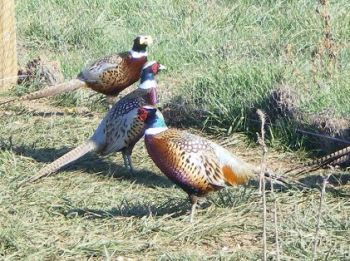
x: 179, y: 113
x: 40, y: 72
x: 284, y: 102
x: 328, y: 124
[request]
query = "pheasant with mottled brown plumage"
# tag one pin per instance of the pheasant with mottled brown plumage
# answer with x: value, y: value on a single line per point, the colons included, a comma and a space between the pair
x: 120, y: 129
x: 196, y: 164
x: 109, y: 75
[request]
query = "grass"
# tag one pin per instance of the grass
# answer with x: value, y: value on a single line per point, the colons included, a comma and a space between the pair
x: 95, y: 208
x: 224, y: 60
x: 225, y: 65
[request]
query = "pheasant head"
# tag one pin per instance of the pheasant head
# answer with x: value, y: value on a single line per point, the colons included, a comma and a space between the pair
x: 140, y: 45
x: 153, y: 119
x: 148, y: 82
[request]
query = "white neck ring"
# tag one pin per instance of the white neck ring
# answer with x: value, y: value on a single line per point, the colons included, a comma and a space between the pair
x: 148, y: 84
x: 137, y: 55
x: 153, y: 131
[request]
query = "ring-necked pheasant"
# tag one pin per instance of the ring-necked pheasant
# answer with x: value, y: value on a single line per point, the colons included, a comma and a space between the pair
x: 196, y: 164
x: 109, y: 75
x: 120, y: 129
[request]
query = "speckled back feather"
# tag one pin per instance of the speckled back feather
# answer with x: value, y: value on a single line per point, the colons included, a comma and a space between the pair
x: 112, y: 74
x: 121, y: 127
x: 194, y: 163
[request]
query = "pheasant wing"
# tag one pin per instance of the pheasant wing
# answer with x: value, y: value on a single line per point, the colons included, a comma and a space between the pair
x: 110, y: 64
x: 198, y: 160
x: 123, y: 130
x: 213, y: 163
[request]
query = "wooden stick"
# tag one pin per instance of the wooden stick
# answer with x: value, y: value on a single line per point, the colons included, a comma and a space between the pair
x: 8, y: 50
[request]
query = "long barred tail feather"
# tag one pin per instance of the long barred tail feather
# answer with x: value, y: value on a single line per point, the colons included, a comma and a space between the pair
x: 332, y: 159
x: 67, y: 158
x: 49, y: 91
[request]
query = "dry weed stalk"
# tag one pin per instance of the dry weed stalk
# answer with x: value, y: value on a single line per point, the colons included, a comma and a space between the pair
x: 323, y: 193
x: 261, y: 140
x: 275, y: 220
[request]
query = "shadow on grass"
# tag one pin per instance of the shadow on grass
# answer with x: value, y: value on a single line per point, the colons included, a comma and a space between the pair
x: 173, y: 208
x: 335, y: 182
x: 51, y: 113
x: 319, y: 133
x: 96, y: 165
x: 311, y: 182
x: 337, y: 179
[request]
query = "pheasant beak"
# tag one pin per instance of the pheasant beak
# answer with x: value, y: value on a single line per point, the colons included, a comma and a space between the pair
x: 162, y: 67
x: 146, y: 40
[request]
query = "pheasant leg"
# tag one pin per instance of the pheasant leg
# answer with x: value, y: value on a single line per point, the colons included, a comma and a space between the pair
x: 194, y: 201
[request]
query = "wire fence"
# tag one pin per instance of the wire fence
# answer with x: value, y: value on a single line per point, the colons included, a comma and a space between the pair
x: 8, y: 50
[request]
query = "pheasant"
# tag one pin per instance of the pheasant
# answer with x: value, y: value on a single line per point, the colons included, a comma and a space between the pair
x: 120, y: 129
x: 194, y: 163
x: 109, y: 75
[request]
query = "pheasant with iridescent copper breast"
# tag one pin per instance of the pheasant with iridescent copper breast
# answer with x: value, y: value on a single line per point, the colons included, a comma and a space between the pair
x: 196, y: 164
x: 109, y: 75
x: 120, y: 129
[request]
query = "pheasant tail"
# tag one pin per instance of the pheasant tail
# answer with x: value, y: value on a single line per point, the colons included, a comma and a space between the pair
x: 50, y: 91
x: 67, y: 158
x: 334, y: 158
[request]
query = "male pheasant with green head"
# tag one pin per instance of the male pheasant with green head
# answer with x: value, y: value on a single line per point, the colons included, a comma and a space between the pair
x: 120, y: 129
x: 196, y: 164
x: 109, y: 75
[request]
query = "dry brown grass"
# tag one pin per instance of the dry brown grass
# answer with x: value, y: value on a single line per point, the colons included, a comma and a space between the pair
x: 96, y: 209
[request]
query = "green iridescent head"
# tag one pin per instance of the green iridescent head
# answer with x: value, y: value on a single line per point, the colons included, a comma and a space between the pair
x: 152, y: 117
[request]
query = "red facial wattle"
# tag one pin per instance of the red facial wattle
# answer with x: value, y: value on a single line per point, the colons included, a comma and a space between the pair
x: 155, y: 68
x: 142, y: 114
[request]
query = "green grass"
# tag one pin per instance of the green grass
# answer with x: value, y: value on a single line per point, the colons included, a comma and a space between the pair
x: 224, y: 58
